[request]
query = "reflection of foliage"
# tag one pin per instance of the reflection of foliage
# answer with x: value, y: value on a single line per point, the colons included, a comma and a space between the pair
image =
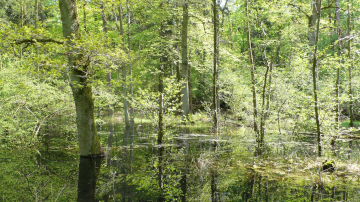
x: 26, y: 175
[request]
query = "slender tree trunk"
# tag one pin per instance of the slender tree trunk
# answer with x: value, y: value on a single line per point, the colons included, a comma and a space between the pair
x: 84, y: 8
x: 251, y: 58
x: 124, y: 76
x: 265, y: 104
x: 89, y: 142
x: 329, y: 11
x: 161, y: 90
x: 36, y: 13
x: 351, y: 107
x: 314, y: 66
x: 103, y: 17
x: 132, y: 120
x: 184, y: 62
x: 22, y: 13
x: 161, y: 174
x: 110, y: 107
x: 161, y: 129
x: 215, y: 92
x: 278, y: 48
x: 189, y: 84
x: 337, y: 85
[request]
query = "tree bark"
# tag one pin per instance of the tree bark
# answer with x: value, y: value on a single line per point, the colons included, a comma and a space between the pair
x: 351, y: 106
x: 124, y: 75
x: 36, y: 13
x: 312, y: 22
x: 132, y: 120
x: 215, y: 92
x: 84, y: 9
x: 89, y: 170
x: 89, y: 142
x: 184, y: 62
x: 314, y: 65
x: 329, y: 11
x: 337, y: 85
x: 110, y: 107
x: 265, y: 103
x: 251, y: 58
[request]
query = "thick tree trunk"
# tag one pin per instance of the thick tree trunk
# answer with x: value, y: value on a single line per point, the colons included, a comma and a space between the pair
x: 89, y: 170
x: 89, y: 142
x: 215, y: 104
x: 184, y: 62
x: 351, y: 106
x: 314, y: 66
x: 251, y: 58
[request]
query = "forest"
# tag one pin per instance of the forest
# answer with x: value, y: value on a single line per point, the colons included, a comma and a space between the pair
x: 179, y: 100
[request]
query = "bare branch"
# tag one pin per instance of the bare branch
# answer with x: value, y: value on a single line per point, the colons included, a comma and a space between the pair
x: 302, y: 11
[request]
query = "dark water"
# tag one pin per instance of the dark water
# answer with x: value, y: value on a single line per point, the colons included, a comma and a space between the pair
x: 188, y: 167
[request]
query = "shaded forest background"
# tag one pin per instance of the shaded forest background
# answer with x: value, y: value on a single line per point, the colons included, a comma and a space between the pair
x: 255, y: 60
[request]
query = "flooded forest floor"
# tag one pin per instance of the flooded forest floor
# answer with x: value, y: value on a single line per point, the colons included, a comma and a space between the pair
x: 192, y: 165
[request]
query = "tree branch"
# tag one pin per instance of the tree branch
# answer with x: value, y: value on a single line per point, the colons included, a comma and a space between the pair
x: 31, y: 41
x: 295, y: 6
x: 323, y: 8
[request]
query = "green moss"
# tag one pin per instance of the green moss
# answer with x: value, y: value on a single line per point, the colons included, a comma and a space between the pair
x: 328, y: 165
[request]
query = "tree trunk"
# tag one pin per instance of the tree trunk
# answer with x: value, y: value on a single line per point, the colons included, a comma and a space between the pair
x: 89, y: 170
x: 278, y: 48
x: 312, y: 22
x: 329, y: 11
x: 89, y: 142
x: 265, y: 104
x: 36, y: 13
x: 184, y: 62
x: 189, y: 84
x: 337, y: 85
x: 124, y: 75
x: 132, y: 121
x: 351, y: 107
x: 251, y: 58
x: 314, y: 65
x: 84, y: 8
x: 215, y: 92
x: 108, y: 78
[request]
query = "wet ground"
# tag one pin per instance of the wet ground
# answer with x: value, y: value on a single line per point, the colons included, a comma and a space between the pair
x: 189, y: 166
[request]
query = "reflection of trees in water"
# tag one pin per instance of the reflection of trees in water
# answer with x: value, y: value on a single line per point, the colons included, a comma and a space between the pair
x: 193, y: 170
x: 89, y: 169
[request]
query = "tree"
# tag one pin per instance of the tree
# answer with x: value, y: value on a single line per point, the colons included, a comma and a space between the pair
x: 89, y: 143
x: 215, y: 91
x: 184, y: 61
x: 252, y: 66
x: 314, y: 67
x: 337, y: 85
x: 351, y: 106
